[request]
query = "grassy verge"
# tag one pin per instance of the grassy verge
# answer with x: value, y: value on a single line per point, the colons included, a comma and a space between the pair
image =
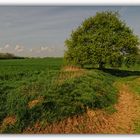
x: 61, y: 100
x: 36, y: 91
x: 75, y: 95
x: 133, y: 82
x: 135, y: 88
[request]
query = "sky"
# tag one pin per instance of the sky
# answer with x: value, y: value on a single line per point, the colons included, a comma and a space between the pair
x: 40, y: 31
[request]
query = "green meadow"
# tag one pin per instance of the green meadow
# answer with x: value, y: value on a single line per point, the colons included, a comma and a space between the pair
x: 41, y: 90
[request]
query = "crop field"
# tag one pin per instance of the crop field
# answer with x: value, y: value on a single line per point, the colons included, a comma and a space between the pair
x: 41, y: 95
x: 22, y: 81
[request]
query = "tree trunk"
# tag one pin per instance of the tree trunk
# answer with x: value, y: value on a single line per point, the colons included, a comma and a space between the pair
x: 101, y: 66
x: 82, y: 66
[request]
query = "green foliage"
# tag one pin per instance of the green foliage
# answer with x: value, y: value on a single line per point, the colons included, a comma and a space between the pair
x: 22, y: 81
x: 138, y: 59
x: 25, y: 80
x: 94, y: 90
x: 103, y: 39
x: 9, y: 56
x: 110, y: 109
x: 6, y: 56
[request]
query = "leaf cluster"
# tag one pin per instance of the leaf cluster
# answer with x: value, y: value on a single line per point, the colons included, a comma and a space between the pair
x: 103, y: 39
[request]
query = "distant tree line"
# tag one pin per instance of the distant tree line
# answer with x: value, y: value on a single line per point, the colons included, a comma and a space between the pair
x: 9, y: 56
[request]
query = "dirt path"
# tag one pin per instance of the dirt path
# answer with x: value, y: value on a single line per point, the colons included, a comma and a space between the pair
x: 120, y: 122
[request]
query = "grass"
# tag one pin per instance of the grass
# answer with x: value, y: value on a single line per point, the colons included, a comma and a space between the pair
x: 134, y: 85
x: 22, y: 81
x: 93, y: 90
x: 110, y: 109
x: 137, y: 127
x: 132, y: 79
x: 37, y: 90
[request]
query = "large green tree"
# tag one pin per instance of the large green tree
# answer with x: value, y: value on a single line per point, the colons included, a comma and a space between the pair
x: 103, y: 39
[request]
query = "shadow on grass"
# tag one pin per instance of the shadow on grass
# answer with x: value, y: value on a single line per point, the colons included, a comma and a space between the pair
x: 121, y: 73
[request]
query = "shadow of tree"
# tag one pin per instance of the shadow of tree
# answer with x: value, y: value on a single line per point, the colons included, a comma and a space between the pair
x: 121, y: 73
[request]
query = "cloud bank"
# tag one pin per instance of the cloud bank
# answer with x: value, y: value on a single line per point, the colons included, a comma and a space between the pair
x: 42, y: 30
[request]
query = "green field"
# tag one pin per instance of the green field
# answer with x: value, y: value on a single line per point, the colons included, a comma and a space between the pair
x: 38, y: 90
x: 22, y: 81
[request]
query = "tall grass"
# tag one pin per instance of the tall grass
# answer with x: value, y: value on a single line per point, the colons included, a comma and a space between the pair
x: 92, y: 90
x: 34, y: 90
x: 22, y: 81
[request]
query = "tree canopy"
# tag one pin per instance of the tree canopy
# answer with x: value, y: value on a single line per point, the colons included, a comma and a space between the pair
x: 103, y: 39
x: 9, y: 56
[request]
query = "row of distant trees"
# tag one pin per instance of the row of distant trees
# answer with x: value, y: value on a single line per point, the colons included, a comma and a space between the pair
x: 12, y: 56
x: 9, y: 56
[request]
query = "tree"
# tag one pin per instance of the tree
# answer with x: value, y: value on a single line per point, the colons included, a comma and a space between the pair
x: 103, y: 39
x: 6, y: 56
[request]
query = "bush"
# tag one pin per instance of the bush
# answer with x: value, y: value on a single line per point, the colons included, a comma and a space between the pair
x: 9, y: 56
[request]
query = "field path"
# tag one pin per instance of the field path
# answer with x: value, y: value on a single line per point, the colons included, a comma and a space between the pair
x: 122, y: 121
x: 99, y: 121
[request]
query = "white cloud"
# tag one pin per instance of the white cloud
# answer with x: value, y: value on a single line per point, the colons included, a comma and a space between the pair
x: 6, y: 46
x: 31, y: 50
x: 19, y: 48
x: 1, y: 49
x: 44, y: 48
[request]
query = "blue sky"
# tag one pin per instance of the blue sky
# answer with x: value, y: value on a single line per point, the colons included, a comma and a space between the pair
x: 42, y: 30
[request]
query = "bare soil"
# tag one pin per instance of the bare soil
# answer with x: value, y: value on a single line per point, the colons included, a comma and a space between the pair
x: 72, y: 68
x: 9, y: 120
x: 33, y: 103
